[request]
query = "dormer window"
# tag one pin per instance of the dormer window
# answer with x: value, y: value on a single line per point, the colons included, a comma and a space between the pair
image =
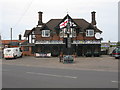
x: 45, y: 33
x: 90, y: 33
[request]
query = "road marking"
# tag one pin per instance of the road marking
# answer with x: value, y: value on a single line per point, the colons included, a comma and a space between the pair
x: 51, y: 75
x: 115, y: 81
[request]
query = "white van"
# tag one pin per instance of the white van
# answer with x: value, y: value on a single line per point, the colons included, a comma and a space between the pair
x: 12, y: 52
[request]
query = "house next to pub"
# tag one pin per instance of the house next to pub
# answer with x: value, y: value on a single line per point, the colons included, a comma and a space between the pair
x: 51, y: 37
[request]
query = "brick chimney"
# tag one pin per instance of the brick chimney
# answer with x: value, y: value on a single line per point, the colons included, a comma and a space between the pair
x: 93, y: 22
x: 40, y: 18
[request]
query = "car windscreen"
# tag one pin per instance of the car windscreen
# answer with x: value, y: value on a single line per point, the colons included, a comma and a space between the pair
x: 117, y: 50
x: 8, y: 50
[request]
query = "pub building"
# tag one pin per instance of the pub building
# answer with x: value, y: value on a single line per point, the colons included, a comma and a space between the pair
x: 66, y: 36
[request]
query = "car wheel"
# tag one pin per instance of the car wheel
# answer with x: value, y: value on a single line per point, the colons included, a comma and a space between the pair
x: 21, y: 56
x: 116, y: 57
x: 15, y: 57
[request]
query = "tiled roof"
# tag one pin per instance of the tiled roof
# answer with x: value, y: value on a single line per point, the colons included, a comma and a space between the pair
x: 51, y: 24
x: 8, y: 41
x: 26, y: 33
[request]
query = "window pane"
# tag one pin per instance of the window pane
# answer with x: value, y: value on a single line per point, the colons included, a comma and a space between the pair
x: 90, y: 33
x: 45, y: 33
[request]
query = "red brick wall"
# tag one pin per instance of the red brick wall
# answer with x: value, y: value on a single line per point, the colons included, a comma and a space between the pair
x: 27, y: 53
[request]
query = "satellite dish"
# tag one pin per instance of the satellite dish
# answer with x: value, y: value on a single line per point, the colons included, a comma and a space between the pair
x: 97, y: 35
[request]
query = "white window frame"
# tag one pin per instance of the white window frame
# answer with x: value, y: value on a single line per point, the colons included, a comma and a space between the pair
x: 73, y: 32
x: 33, y: 34
x: 64, y: 32
x: 43, y: 33
x: 88, y: 33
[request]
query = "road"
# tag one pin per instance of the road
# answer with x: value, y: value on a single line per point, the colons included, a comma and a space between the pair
x: 15, y: 76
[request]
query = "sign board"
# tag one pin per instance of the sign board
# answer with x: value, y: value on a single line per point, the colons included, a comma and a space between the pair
x: 68, y: 41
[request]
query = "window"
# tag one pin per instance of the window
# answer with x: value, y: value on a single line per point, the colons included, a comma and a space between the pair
x: 16, y: 50
x: 65, y: 32
x: 45, y: 33
x: 33, y: 34
x: 61, y: 33
x: 90, y: 33
x: 74, y: 33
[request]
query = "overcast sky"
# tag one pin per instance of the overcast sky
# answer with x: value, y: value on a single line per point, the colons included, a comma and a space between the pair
x: 22, y: 15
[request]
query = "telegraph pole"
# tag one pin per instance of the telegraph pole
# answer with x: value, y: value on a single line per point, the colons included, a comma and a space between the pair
x: 11, y: 35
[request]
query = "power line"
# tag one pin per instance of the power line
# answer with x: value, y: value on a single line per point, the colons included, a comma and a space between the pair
x: 19, y: 20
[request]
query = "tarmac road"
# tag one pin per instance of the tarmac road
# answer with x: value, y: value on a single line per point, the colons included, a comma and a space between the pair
x: 15, y: 76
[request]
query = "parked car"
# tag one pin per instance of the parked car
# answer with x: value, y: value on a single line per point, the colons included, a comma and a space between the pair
x: 68, y: 59
x: 12, y: 53
x: 40, y: 54
x: 88, y: 54
x: 96, y: 54
x: 116, y: 53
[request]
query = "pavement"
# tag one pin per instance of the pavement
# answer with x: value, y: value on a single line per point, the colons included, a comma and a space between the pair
x: 103, y: 63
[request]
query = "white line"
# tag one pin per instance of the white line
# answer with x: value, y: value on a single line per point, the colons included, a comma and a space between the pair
x: 115, y: 81
x: 51, y: 75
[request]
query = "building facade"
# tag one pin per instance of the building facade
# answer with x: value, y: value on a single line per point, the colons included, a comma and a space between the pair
x: 51, y: 37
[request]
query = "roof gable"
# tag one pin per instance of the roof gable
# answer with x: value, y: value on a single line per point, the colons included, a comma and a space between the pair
x: 26, y: 33
x: 65, y: 20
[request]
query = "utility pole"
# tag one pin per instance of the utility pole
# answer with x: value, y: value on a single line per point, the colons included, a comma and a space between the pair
x: 11, y: 35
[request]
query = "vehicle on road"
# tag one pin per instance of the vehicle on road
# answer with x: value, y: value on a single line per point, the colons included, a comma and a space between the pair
x: 12, y: 53
x: 116, y: 53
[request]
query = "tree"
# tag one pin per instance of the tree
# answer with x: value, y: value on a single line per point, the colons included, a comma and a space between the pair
x: 118, y: 43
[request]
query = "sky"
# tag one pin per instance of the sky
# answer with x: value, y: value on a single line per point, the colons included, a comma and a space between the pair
x: 21, y: 15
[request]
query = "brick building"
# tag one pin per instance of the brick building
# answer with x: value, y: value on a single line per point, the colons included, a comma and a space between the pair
x: 51, y: 37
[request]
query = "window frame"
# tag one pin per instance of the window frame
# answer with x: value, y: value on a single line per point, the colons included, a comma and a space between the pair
x: 88, y: 33
x: 43, y: 33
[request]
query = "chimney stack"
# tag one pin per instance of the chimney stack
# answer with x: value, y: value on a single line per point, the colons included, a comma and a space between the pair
x: 20, y: 37
x: 40, y: 18
x: 93, y: 18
